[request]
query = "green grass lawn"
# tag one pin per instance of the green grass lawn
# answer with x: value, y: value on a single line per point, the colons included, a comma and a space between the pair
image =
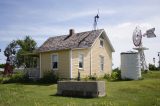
x: 144, y: 92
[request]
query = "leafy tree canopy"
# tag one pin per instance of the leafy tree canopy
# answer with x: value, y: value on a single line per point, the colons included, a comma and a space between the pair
x: 20, y: 47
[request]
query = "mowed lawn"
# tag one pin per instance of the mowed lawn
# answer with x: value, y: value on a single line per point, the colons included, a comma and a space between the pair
x: 144, y: 92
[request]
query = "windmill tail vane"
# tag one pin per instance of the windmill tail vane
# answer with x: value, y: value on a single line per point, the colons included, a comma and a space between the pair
x: 150, y: 33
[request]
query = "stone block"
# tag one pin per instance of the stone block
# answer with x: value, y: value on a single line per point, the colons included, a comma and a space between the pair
x: 81, y: 88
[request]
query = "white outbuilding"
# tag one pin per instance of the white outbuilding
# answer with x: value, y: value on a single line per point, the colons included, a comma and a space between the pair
x: 130, y: 65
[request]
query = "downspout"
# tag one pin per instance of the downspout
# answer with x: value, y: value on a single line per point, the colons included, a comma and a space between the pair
x: 40, y: 70
x: 90, y: 61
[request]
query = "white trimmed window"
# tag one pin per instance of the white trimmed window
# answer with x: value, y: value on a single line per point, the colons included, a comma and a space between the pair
x: 81, y: 61
x: 101, y: 63
x: 101, y: 43
x: 54, y: 61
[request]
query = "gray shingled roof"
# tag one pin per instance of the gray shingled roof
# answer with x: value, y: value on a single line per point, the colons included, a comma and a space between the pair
x: 77, y: 40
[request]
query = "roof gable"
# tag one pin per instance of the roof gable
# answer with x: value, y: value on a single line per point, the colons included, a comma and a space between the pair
x: 77, y: 40
x: 108, y: 41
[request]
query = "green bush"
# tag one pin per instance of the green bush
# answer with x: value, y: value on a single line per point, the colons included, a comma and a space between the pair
x: 1, y: 79
x: 5, y: 80
x: 93, y: 77
x: 2, y: 65
x: 116, y: 75
x: 153, y: 67
x: 107, y: 76
x: 86, y: 78
x: 116, y: 70
x: 1, y: 73
x: 49, y: 77
x: 18, y: 77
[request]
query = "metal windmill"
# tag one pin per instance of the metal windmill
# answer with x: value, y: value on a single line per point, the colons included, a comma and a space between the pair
x: 137, y: 40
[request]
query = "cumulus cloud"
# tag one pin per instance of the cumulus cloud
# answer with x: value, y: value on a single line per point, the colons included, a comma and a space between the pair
x: 51, y: 18
x: 121, y: 38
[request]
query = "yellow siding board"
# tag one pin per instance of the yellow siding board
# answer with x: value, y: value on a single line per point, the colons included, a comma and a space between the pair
x: 104, y: 51
x: 63, y: 63
x: 75, y: 61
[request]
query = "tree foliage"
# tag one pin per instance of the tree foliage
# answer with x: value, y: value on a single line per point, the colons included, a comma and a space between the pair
x: 2, y: 65
x: 27, y: 45
x: 10, y: 52
x: 10, y: 49
x: 152, y: 67
x: 19, y: 48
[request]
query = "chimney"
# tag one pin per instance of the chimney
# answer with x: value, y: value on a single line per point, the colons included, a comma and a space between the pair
x: 71, y: 32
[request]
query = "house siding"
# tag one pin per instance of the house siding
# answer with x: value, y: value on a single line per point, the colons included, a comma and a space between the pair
x: 92, y: 60
x: 68, y: 61
x: 63, y: 70
x: 75, y: 62
x: 98, y: 51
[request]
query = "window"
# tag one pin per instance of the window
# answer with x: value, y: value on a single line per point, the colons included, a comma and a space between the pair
x: 55, y: 61
x: 101, y: 43
x: 101, y: 63
x: 81, y: 61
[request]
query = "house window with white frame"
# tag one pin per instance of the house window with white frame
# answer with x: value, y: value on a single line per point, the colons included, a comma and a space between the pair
x: 101, y: 43
x: 54, y: 61
x: 101, y: 63
x: 81, y: 61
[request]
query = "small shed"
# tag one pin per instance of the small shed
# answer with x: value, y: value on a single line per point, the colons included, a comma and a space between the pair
x: 130, y: 65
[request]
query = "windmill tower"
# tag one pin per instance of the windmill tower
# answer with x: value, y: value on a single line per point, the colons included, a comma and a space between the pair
x: 137, y: 41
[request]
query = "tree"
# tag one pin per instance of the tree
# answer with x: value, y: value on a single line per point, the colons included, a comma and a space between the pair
x: 10, y: 50
x: 18, y: 48
x: 27, y: 45
x: 152, y: 67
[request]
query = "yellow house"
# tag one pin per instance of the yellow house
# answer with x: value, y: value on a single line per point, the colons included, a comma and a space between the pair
x: 88, y: 52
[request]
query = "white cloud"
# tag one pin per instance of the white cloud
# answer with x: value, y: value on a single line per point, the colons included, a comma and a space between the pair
x: 121, y: 38
x: 122, y: 17
x: 81, y: 14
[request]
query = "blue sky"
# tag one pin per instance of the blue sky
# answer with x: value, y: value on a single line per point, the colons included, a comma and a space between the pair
x: 44, y: 18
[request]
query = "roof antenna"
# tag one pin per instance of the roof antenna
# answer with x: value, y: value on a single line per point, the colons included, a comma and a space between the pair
x: 96, y: 20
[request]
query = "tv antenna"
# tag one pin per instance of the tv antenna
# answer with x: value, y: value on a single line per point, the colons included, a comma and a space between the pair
x: 96, y: 20
x: 137, y: 41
